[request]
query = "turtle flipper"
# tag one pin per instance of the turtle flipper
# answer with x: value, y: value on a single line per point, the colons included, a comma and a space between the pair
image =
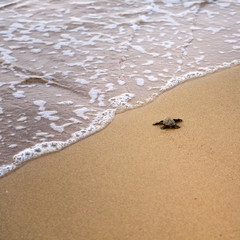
x: 164, y: 127
x: 158, y: 123
x: 176, y: 126
x: 178, y: 120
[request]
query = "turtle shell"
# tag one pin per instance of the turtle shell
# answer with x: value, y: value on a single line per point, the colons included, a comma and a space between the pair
x: 169, y: 122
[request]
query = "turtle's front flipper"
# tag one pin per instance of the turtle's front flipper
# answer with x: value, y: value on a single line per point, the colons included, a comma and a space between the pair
x: 176, y: 126
x: 158, y: 123
x: 178, y: 120
x: 164, y: 127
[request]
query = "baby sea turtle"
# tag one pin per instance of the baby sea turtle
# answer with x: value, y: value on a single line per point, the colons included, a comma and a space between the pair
x: 169, y: 123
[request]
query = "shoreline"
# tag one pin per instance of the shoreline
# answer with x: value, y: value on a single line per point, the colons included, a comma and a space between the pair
x: 36, y: 154
x: 133, y: 180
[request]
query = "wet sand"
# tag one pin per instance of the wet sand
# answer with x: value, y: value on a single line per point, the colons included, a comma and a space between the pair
x: 135, y: 181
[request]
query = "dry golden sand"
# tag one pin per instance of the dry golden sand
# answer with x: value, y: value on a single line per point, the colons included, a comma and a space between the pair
x: 134, y: 181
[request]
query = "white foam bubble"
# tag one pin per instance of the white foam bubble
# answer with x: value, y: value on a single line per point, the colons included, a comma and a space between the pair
x: 149, y: 62
x: 48, y: 115
x: 39, y: 134
x: 19, y: 94
x: 6, y: 168
x: 167, y: 44
x: 81, y: 112
x: 59, y: 128
x: 21, y: 119
x: 37, y: 150
x: 36, y: 50
x: 151, y: 78
x: 138, y: 48
x: 147, y: 71
x: 41, y: 104
x: 68, y: 53
x: 140, y: 81
x: 236, y: 47
x: 230, y: 41
x: 81, y: 81
x: 74, y: 120
x: 204, y: 70
x: 121, y: 102
x: 110, y: 86
x: 214, y: 30
x: 20, y: 127
x: 12, y: 146
x: 6, y: 54
x: 93, y: 93
x: 121, y: 82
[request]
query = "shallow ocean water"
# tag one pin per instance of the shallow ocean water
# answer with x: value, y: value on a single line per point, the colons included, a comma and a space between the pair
x: 67, y: 67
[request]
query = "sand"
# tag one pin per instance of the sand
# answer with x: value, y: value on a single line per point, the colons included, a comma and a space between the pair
x: 135, y: 181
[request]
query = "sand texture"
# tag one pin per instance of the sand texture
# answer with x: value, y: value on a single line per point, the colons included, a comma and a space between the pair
x: 134, y: 181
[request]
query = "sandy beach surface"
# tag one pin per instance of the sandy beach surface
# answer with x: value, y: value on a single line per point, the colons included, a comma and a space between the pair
x: 135, y: 181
